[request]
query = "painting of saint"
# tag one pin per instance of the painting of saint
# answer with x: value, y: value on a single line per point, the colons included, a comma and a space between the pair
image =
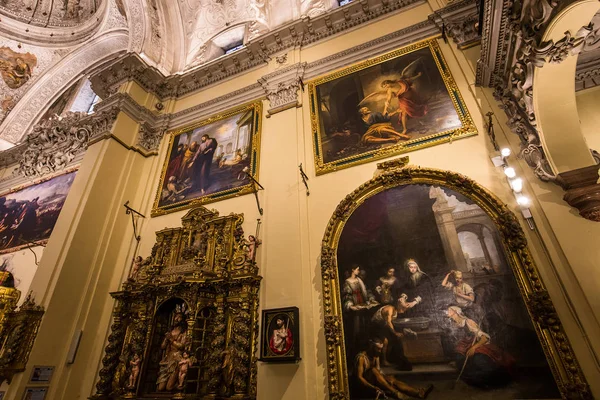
x: 211, y: 160
x: 28, y: 215
x: 280, y: 340
x: 281, y: 337
x: 392, y: 104
x: 16, y: 68
x: 421, y: 321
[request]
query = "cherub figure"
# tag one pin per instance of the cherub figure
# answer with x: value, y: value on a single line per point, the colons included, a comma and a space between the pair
x: 401, y: 87
x: 135, y: 268
x: 184, y: 364
x: 253, y: 244
x: 135, y: 371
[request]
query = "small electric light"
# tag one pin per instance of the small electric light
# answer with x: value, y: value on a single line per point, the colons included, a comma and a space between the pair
x: 510, y: 172
x: 505, y: 152
x: 517, y: 185
x: 522, y: 201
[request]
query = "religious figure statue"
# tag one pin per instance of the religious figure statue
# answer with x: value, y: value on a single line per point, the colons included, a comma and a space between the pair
x: 135, y: 268
x: 253, y: 244
x: 135, y: 371
x: 173, y: 346
x: 185, y: 363
x: 227, y: 370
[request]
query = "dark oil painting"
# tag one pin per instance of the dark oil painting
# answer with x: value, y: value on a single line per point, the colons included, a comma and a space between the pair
x: 280, y: 341
x: 430, y: 305
x: 401, y: 101
x: 28, y: 215
x: 211, y: 160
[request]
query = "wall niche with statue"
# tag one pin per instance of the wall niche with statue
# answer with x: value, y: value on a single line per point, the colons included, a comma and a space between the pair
x: 185, y: 323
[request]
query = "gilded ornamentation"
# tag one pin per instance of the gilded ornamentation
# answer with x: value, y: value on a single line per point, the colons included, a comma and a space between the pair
x: 570, y: 379
x: 189, y: 284
x: 18, y: 331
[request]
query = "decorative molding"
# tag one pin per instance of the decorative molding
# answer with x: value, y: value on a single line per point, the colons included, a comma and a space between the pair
x: 37, y: 99
x: 54, y: 144
x: 255, y: 53
x: 282, y: 87
x: 582, y: 191
x: 460, y: 21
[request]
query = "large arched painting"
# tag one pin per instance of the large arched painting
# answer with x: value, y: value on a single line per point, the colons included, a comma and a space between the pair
x: 426, y: 301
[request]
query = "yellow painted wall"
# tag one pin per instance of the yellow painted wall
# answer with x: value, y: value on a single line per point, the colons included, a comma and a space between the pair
x: 588, y: 107
x: 91, y: 249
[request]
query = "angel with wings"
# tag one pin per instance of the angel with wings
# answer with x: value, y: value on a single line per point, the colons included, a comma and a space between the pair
x: 403, y: 89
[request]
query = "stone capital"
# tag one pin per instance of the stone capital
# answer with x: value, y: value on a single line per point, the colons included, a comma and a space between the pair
x: 281, y: 87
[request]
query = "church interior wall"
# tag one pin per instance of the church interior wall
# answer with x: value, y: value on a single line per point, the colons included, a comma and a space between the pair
x: 90, y: 251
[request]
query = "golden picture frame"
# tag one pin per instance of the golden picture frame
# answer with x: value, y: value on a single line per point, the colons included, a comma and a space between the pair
x: 401, y: 101
x: 198, y: 171
x: 46, y: 196
x: 556, y: 351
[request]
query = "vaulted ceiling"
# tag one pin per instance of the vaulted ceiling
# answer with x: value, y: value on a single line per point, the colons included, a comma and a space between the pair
x: 50, y: 13
x: 211, y: 27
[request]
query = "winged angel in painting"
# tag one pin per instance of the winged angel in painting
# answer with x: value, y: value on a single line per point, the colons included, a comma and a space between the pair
x: 400, y: 92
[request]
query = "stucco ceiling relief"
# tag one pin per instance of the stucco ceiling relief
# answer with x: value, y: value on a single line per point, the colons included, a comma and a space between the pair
x: 50, y: 13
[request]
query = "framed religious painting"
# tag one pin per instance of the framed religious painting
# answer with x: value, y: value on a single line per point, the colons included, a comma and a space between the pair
x: 429, y: 291
x: 280, y: 340
x: 211, y: 160
x: 391, y: 104
x: 28, y: 213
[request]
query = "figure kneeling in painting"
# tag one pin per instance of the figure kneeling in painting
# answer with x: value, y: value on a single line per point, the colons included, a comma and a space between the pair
x: 370, y: 380
x: 483, y: 364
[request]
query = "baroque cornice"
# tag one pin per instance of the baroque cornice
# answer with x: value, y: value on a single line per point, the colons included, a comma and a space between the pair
x: 53, y: 145
x: 256, y: 53
x: 460, y: 21
x: 56, y: 144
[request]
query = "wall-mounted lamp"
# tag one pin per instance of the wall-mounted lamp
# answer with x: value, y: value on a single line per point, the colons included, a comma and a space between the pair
x: 515, y: 183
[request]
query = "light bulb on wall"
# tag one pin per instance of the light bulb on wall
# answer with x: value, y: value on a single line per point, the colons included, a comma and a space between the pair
x: 510, y: 172
x: 522, y: 201
x: 505, y: 152
x: 517, y: 185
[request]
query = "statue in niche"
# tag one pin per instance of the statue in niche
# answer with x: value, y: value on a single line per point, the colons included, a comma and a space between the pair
x: 135, y: 371
x: 173, y: 346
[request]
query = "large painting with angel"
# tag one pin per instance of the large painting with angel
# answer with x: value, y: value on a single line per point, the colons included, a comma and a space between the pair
x: 392, y: 104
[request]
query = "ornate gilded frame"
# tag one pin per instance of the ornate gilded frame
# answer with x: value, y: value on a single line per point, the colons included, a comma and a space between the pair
x: 256, y: 108
x: 42, y: 242
x: 467, y: 129
x: 561, y: 359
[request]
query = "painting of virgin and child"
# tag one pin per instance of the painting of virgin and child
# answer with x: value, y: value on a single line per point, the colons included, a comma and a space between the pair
x: 400, y: 101
x: 430, y: 306
x: 211, y: 160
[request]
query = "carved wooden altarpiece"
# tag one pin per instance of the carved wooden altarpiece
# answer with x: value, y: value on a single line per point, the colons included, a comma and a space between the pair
x: 198, y: 290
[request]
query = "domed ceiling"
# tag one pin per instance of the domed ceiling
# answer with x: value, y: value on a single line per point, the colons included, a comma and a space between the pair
x: 50, y: 13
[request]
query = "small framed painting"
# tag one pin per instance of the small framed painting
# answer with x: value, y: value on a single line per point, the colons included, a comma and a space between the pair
x: 41, y: 374
x: 35, y: 393
x: 280, y: 337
